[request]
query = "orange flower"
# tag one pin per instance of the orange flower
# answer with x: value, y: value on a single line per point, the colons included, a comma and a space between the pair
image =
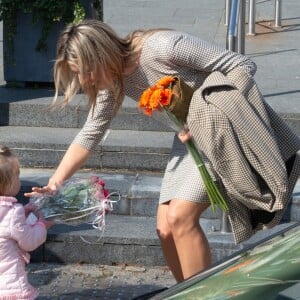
x: 165, y: 81
x: 148, y: 111
x: 165, y: 97
x: 144, y: 100
x: 154, y: 101
x: 156, y: 96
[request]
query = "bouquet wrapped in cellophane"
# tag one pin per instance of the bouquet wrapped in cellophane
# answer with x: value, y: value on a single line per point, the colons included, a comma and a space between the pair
x: 78, y: 200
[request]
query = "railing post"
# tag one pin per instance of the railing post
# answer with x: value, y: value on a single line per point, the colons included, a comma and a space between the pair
x: 278, y: 8
x: 251, y: 21
x: 225, y: 225
x: 232, y: 28
x: 236, y: 25
x: 227, y: 12
x: 241, y: 27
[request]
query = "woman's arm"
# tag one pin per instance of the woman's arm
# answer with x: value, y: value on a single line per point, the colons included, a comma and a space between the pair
x: 83, y: 145
x: 75, y: 157
x: 72, y: 161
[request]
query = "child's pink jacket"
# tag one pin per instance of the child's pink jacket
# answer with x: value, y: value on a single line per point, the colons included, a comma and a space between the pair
x: 16, y: 239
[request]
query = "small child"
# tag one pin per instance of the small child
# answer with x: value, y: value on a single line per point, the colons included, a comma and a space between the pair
x: 17, y: 236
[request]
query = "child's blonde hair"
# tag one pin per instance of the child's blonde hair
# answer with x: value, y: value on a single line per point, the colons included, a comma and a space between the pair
x: 7, y: 169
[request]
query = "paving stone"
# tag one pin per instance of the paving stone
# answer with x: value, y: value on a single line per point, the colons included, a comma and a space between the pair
x: 88, y: 282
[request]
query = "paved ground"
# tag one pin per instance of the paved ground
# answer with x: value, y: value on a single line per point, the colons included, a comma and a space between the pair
x: 88, y: 282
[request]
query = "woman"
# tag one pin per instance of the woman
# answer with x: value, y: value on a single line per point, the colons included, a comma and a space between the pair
x: 91, y: 57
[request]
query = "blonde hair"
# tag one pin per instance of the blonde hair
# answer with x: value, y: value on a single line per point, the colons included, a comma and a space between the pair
x: 7, y: 169
x: 93, y: 44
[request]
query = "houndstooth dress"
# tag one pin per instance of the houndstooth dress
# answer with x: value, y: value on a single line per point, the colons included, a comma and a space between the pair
x: 176, y: 54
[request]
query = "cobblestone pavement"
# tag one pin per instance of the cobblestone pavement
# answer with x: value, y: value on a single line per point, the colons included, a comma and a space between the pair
x: 89, y: 282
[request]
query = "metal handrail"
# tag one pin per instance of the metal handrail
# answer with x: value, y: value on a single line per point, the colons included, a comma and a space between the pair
x: 234, y: 10
x: 236, y: 27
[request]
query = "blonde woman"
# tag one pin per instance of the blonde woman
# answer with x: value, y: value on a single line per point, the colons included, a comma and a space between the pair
x: 93, y: 58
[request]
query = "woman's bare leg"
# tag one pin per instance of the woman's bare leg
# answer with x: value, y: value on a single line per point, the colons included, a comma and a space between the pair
x: 184, y: 244
x: 167, y: 242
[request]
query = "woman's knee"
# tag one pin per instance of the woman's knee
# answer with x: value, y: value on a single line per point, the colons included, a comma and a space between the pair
x: 163, y: 231
x: 184, y: 214
x: 162, y: 227
x: 178, y: 217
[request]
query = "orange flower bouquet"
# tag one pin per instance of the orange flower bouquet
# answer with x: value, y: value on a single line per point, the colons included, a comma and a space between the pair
x: 173, y: 96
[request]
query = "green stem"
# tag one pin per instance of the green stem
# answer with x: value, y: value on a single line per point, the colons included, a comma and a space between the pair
x: 215, y: 196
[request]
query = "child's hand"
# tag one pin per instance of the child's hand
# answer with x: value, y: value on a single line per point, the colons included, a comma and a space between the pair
x: 47, y: 223
x: 29, y: 207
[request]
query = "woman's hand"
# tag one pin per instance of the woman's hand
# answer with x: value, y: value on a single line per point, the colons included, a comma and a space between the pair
x: 50, y: 188
x: 184, y: 135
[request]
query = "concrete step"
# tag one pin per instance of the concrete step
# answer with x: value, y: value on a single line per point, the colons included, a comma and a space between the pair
x: 129, y: 240
x: 126, y: 240
x: 139, y: 191
x: 30, y: 107
x: 120, y: 149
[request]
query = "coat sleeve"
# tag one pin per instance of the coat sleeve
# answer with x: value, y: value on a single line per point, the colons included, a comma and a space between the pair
x: 97, y: 122
x: 27, y: 236
x: 197, y: 54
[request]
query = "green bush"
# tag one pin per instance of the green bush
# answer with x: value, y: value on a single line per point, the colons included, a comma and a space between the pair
x: 47, y: 11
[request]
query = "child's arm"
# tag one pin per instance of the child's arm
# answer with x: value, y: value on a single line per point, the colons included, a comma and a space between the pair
x: 29, y: 237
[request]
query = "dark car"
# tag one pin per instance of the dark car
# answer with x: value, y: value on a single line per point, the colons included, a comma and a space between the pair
x: 266, y: 271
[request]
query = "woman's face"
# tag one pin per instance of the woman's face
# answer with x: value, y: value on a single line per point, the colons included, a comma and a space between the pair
x: 93, y: 78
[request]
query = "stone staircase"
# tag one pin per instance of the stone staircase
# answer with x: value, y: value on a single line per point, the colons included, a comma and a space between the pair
x: 130, y: 159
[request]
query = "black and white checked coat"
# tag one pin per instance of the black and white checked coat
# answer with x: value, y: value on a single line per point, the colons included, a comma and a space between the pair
x: 251, y: 149
x: 195, y: 61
